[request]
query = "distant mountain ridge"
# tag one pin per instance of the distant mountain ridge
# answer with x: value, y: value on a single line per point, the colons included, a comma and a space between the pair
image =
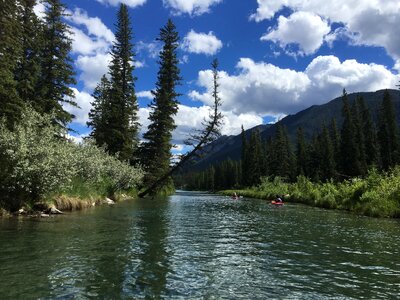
x: 310, y: 119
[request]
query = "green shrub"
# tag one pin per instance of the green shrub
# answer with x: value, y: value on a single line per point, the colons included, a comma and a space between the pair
x: 35, y: 162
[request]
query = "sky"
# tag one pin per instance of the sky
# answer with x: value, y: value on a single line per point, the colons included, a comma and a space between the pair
x: 276, y: 57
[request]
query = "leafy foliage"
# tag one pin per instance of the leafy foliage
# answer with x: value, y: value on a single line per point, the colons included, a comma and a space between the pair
x: 36, y: 163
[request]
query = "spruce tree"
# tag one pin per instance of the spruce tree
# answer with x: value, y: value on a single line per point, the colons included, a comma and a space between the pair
x: 254, y: 160
x: 10, y: 49
x: 327, y: 155
x: 301, y: 154
x: 122, y: 119
x: 359, y: 135
x: 57, y: 71
x: 28, y: 68
x: 156, y: 150
x: 387, y: 133
x: 98, y: 118
x: 245, y: 180
x: 335, y: 138
x: 282, y: 161
x: 349, y: 152
x: 369, y: 131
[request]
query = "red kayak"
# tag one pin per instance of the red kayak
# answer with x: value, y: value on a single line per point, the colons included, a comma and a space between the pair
x: 277, y: 203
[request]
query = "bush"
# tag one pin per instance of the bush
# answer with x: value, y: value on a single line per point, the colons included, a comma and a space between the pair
x: 36, y: 161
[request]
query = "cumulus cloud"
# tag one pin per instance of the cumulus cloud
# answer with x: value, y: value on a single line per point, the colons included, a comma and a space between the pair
x: 305, y: 29
x: 371, y: 23
x: 39, y: 9
x: 191, y: 7
x: 92, y: 68
x: 263, y: 89
x: 130, y: 3
x: 201, y: 43
x: 81, y: 113
x: 84, y: 44
x: 145, y: 94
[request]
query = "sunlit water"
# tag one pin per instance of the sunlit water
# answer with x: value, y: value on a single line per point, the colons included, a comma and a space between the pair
x: 200, y: 246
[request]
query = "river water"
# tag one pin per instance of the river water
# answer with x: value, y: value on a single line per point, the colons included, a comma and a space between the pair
x: 200, y: 246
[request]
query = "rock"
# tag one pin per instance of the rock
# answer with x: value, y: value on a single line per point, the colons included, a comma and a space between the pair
x: 55, y: 211
x: 108, y: 201
x: 43, y: 215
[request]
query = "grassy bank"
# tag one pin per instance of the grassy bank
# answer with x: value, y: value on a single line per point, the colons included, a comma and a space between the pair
x: 377, y: 195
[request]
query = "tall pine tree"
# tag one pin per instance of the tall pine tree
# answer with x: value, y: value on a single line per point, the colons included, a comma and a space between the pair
x: 387, y: 133
x: 349, y: 151
x: 122, y: 119
x: 57, y: 71
x: 301, y: 154
x: 156, y: 150
x: 28, y: 69
x: 10, y: 49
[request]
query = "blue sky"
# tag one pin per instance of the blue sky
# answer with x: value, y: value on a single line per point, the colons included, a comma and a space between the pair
x: 277, y: 57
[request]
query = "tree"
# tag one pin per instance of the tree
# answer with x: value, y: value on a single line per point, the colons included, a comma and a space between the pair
x: 349, y: 152
x: 98, y: 118
x: 28, y: 69
x: 57, y: 71
x: 156, y: 151
x: 245, y: 159
x: 387, y: 133
x: 369, y: 131
x: 10, y: 48
x: 359, y: 136
x: 301, y: 153
x: 208, y: 134
x: 327, y: 162
x: 282, y: 159
x: 122, y: 119
x: 255, y: 158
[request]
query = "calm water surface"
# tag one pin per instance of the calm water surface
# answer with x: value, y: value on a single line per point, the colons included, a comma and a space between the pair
x: 196, y: 246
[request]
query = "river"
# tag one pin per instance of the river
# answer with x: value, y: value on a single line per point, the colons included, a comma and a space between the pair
x: 200, y: 246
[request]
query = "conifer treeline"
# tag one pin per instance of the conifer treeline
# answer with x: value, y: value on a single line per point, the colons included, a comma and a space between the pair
x: 331, y: 154
x: 35, y: 66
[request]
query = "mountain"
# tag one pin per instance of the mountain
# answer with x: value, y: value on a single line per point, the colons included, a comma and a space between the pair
x: 310, y: 119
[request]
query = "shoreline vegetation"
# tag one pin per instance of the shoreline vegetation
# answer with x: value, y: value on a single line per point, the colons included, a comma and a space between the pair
x: 376, y: 195
x: 42, y: 170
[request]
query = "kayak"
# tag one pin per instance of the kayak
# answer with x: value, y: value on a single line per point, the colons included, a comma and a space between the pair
x: 276, y: 203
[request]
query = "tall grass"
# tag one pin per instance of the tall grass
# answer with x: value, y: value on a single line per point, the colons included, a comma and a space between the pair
x: 376, y: 195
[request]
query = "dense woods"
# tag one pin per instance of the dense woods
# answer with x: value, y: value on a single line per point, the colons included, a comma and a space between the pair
x: 332, y: 154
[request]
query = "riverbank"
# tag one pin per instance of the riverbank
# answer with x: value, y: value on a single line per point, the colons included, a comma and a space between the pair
x: 377, y: 195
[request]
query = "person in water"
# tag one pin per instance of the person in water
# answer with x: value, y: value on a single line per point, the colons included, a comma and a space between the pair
x: 278, y: 199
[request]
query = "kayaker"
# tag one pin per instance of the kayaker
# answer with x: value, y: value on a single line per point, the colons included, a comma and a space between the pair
x: 234, y: 196
x: 278, y: 199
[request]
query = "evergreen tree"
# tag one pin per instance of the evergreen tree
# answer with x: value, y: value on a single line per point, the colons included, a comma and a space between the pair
x: 98, y: 118
x: 327, y: 162
x: 245, y: 159
x: 254, y: 160
x: 57, y: 71
x: 27, y: 73
x: 122, y: 119
x: 10, y: 49
x: 301, y: 154
x: 369, y: 131
x: 387, y: 133
x: 359, y: 135
x: 156, y: 150
x: 335, y: 138
x: 282, y: 160
x: 349, y: 152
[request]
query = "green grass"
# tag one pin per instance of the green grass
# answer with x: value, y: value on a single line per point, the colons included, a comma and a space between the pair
x: 377, y: 195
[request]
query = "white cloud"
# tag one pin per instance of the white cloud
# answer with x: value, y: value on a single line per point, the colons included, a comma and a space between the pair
x: 201, y: 43
x: 92, y: 68
x: 371, y: 23
x: 94, y: 25
x: 81, y: 113
x: 130, y: 3
x: 39, y: 9
x: 84, y: 44
x: 263, y: 89
x: 303, y: 28
x: 152, y: 48
x: 191, y: 7
x: 145, y: 94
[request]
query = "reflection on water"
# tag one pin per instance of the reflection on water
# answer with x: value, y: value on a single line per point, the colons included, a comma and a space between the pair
x: 196, y: 245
